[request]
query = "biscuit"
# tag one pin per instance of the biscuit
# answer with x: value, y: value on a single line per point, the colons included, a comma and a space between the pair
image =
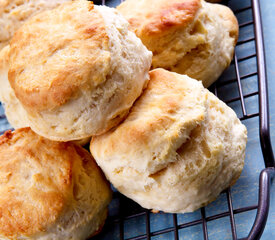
x: 14, y: 111
x: 190, y: 37
x: 83, y: 73
x: 49, y: 190
x: 13, y: 13
x: 179, y: 147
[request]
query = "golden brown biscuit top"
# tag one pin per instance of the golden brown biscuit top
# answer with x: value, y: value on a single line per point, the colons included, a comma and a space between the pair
x: 151, y: 17
x: 13, y: 13
x: 58, y: 53
x: 36, y: 181
x: 171, y: 106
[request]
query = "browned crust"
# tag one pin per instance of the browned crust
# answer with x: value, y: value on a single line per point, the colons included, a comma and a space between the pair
x: 47, y: 68
x: 158, y: 18
x: 170, y: 91
x: 176, y: 14
x: 30, y: 202
x: 13, y: 14
x: 26, y: 209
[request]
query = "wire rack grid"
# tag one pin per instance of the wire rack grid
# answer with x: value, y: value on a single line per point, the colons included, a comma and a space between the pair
x: 242, y: 87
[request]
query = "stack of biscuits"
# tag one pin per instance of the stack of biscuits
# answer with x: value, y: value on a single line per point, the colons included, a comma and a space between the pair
x: 130, y: 82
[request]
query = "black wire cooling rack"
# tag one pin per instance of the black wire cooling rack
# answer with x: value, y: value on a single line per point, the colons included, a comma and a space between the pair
x: 125, y: 209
